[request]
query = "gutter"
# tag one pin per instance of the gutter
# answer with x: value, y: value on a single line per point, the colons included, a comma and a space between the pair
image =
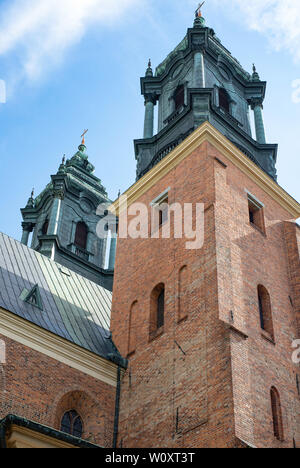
x: 117, y: 409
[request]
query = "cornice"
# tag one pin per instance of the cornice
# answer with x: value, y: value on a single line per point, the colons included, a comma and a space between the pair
x: 29, y: 334
x: 21, y: 437
x: 207, y: 133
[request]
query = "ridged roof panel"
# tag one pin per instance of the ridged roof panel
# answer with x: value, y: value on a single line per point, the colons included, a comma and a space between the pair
x: 74, y: 308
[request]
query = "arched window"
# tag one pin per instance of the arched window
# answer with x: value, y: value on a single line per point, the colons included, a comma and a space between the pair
x: 265, y: 311
x: 157, y: 313
x: 81, y: 235
x: 224, y: 101
x: 276, y: 414
x: 45, y: 227
x: 71, y: 423
x: 179, y: 97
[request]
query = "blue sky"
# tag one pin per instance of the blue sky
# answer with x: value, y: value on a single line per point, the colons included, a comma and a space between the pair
x: 75, y: 64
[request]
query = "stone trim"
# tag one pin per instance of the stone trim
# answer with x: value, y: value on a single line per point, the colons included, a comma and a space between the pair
x: 207, y: 133
x: 29, y: 334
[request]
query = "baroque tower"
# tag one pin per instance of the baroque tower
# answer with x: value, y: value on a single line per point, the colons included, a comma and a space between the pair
x: 209, y: 332
x: 63, y: 219
x: 201, y: 81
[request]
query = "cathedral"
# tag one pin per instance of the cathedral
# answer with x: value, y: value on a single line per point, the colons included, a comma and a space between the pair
x: 121, y: 341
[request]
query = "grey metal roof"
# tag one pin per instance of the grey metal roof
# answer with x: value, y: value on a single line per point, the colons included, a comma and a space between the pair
x: 74, y: 308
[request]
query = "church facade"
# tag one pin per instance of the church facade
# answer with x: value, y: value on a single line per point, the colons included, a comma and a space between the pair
x: 149, y: 343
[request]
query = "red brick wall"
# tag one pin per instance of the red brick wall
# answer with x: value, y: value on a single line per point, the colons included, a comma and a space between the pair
x: 247, y: 258
x: 164, y: 383
x: 217, y: 386
x: 292, y: 236
x: 41, y: 389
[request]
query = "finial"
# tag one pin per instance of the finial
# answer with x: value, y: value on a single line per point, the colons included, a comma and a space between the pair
x: 149, y: 71
x: 30, y: 203
x: 255, y: 75
x: 62, y: 167
x: 199, y: 20
x: 119, y: 193
x: 82, y: 136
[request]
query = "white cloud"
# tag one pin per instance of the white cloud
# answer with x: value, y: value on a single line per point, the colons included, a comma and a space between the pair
x: 2, y: 92
x: 278, y: 20
x: 42, y: 30
x: 296, y: 93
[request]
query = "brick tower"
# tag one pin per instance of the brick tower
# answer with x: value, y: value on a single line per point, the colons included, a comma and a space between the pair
x: 208, y: 332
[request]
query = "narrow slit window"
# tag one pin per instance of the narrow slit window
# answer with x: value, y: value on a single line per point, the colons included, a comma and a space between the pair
x: 276, y: 414
x: 157, y: 309
x: 183, y: 296
x: 265, y: 310
x: 133, y: 316
x: 160, y: 309
x: 298, y: 383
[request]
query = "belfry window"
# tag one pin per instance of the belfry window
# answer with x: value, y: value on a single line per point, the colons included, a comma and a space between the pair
x: 71, y: 423
x: 224, y: 102
x: 81, y: 235
x: 179, y: 97
x: 45, y: 227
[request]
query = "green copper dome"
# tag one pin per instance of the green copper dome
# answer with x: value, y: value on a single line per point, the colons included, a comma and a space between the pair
x: 80, y: 160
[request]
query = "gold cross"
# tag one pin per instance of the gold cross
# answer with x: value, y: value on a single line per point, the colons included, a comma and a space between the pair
x: 82, y: 136
x: 198, y: 11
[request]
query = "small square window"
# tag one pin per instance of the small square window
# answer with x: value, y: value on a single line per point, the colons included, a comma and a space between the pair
x: 163, y: 208
x: 256, y: 214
